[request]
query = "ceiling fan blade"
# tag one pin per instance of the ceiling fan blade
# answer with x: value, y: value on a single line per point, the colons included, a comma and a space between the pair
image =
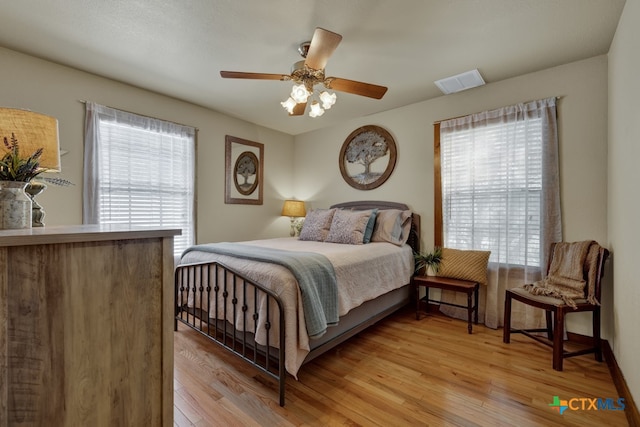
x: 357, y: 88
x: 257, y: 76
x: 323, y: 43
x: 298, y: 110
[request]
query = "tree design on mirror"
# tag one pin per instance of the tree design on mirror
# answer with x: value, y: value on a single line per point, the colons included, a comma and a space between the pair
x: 244, y: 171
x: 367, y: 157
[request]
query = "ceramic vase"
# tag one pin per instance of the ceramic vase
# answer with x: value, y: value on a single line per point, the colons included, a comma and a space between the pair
x: 15, y: 205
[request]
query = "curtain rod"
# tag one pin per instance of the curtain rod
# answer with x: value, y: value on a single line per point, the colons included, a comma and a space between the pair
x: 143, y: 115
x: 525, y: 102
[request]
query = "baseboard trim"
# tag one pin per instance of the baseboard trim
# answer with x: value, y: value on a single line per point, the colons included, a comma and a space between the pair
x: 630, y: 408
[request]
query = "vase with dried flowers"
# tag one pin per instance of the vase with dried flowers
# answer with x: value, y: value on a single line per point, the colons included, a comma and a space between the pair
x: 15, y: 174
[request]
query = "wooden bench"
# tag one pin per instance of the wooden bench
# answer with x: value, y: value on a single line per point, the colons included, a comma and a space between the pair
x: 446, y: 283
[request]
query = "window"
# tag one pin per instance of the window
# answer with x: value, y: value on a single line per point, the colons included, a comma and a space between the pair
x: 139, y: 171
x: 492, y: 176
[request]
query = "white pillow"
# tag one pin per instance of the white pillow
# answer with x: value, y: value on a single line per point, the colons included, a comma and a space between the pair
x: 393, y: 226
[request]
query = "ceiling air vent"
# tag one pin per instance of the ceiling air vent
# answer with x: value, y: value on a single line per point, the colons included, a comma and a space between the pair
x: 460, y: 82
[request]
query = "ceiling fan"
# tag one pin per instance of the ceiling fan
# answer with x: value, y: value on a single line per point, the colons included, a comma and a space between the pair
x: 310, y: 72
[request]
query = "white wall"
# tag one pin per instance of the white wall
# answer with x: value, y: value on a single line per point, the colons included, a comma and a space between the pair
x: 583, y: 151
x: 624, y: 195
x: 52, y: 89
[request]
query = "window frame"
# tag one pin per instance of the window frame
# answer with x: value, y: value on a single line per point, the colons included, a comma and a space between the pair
x: 100, y: 122
x: 438, y: 204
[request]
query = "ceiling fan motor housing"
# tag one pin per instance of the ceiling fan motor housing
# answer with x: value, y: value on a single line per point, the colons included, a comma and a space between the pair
x: 303, y: 48
x: 300, y: 73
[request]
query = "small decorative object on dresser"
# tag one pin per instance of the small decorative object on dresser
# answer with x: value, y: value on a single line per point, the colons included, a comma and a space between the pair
x: 15, y: 205
x: 15, y: 174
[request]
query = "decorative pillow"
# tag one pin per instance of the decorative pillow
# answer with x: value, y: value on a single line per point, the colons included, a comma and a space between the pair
x: 464, y: 265
x: 317, y: 224
x: 406, y: 227
x: 391, y: 225
x: 368, y: 232
x: 348, y: 227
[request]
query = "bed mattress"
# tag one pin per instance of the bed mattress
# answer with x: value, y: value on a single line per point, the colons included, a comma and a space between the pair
x: 363, y: 273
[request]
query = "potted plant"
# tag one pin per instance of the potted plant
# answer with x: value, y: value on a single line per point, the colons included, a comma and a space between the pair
x: 13, y: 167
x: 17, y: 174
x: 16, y: 168
x: 428, y: 262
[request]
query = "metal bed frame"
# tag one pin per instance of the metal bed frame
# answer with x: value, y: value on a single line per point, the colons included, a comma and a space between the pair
x: 199, y: 280
x: 236, y: 287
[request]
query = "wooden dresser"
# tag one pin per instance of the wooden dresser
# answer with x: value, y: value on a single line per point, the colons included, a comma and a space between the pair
x: 86, y: 326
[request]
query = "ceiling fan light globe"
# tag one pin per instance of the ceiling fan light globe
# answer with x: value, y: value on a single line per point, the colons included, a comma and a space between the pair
x: 288, y: 105
x: 328, y: 99
x: 299, y: 93
x: 316, y: 110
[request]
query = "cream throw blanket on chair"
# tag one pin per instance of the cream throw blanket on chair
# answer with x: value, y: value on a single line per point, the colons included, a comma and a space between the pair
x: 570, y: 263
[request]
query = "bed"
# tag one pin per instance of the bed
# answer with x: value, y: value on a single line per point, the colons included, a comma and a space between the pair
x: 258, y: 298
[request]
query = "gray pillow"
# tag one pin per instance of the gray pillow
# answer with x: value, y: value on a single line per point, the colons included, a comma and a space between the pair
x: 348, y: 227
x: 317, y: 224
x: 368, y: 232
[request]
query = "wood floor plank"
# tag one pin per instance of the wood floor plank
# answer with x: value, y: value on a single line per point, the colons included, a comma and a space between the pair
x: 185, y: 409
x: 399, y: 372
x: 180, y: 419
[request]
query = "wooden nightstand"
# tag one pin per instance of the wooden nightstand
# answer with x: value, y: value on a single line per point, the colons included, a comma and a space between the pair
x: 448, y: 284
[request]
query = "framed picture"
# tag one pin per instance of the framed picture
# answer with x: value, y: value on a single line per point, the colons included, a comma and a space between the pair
x: 244, y: 171
x: 367, y: 157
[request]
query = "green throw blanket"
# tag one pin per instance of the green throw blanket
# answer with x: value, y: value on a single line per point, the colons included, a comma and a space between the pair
x: 314, y: 273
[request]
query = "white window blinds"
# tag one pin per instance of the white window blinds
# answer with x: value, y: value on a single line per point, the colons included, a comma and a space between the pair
x: 492, y: 170
x: 139, y: 171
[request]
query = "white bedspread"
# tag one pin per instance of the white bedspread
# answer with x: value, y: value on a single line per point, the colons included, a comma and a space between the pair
x: 363, y: 272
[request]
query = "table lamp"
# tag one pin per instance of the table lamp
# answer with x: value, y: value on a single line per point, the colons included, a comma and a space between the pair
x: 293, y: 209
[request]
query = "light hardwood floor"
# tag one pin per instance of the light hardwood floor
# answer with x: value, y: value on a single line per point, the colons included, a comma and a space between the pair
x: 400, y: 372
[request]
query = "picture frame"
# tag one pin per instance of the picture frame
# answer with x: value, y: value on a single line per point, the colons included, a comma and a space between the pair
x: 244, y: 171
x: 372, y: 148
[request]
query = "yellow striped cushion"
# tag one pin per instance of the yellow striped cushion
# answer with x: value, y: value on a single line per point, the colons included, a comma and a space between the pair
x: 464, y: 265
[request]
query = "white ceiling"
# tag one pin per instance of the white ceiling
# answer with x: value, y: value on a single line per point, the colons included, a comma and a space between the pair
x: 178, y: 48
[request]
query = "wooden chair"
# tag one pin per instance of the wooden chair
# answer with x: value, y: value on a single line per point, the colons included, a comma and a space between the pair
x: 555, y: 311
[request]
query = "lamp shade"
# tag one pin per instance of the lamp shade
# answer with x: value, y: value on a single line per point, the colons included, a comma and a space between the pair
x: 33, y: 131
x: 293, y: 208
